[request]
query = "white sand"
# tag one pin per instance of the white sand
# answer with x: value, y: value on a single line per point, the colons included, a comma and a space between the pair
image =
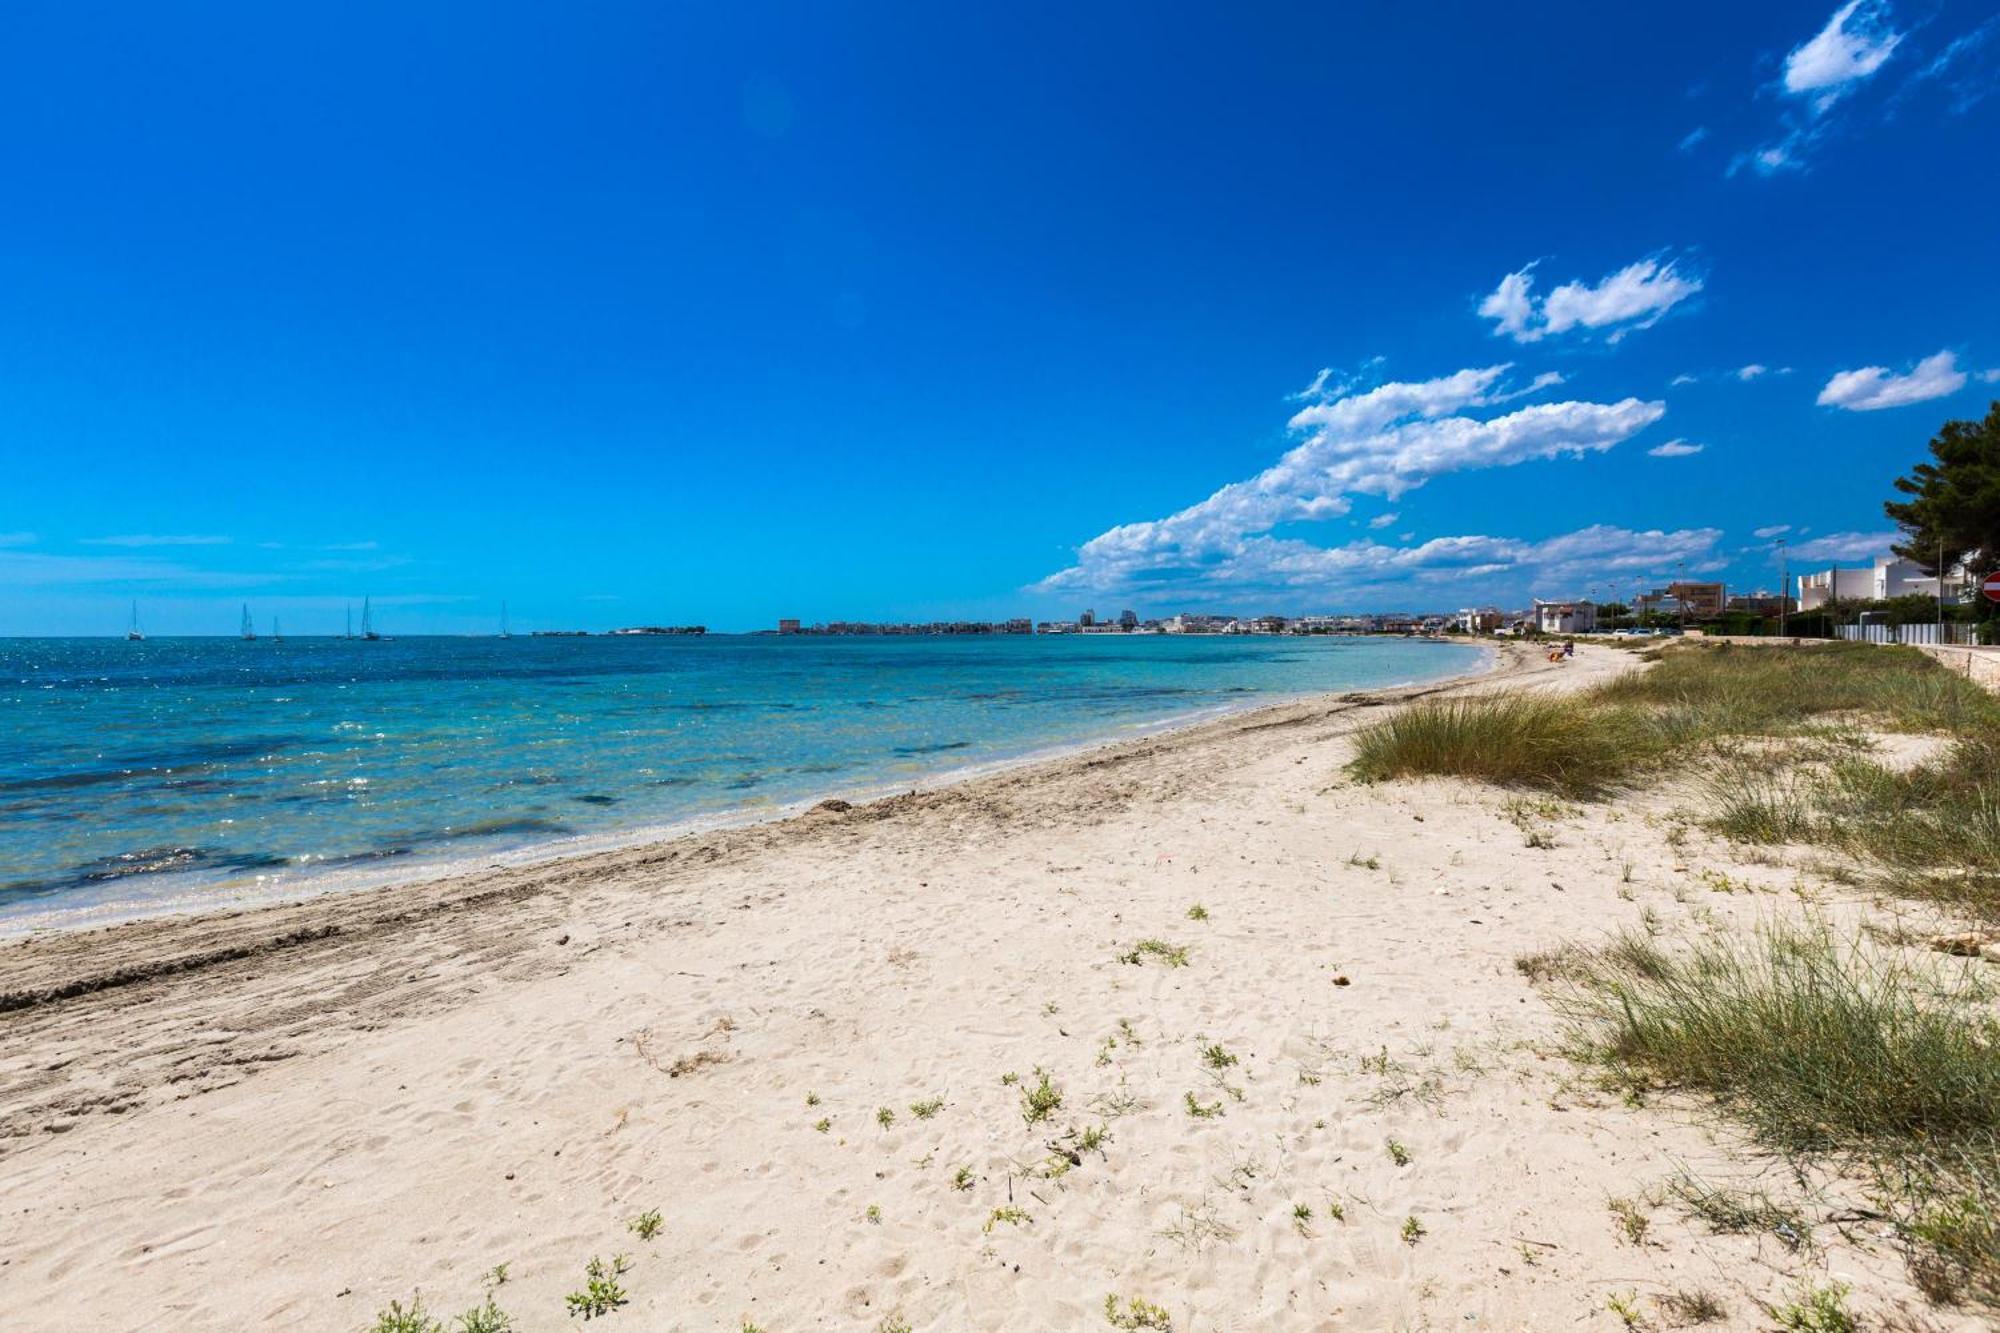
x: 289, y: 1117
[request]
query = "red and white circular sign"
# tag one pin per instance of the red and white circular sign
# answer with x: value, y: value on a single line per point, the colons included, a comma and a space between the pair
x: 1991, y: 587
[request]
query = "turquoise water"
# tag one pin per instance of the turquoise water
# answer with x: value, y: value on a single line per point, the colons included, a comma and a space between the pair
x: 180, y: 773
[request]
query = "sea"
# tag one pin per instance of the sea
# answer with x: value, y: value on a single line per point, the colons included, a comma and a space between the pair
x: 172, y: 775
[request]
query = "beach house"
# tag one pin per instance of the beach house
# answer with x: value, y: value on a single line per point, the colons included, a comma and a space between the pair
x: 1574, y: 616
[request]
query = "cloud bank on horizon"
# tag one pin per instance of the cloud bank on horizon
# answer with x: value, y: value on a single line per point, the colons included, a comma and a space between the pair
x: 1384, y: 442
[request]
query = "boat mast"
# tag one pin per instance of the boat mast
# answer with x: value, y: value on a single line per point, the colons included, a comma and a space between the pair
x: 505, y: 633
x: 249, y: 630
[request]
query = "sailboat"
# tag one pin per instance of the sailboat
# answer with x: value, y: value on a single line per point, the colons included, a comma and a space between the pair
x: 368, y: 624
x: 505, y: 633
x: 277, y: 635
x: 350, y: 623
x: 132, y: 635
x: 249, y: 630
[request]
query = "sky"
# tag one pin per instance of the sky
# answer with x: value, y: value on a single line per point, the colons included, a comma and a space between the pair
x: 647, y: 314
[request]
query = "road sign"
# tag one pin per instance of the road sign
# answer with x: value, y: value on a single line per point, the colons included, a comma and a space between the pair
x: 1991, y: 587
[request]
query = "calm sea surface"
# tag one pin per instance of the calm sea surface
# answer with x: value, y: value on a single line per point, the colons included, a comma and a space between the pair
x: 181, y: 773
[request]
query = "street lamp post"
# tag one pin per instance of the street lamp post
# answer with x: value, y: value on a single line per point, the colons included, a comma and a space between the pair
x: 1784, y: 588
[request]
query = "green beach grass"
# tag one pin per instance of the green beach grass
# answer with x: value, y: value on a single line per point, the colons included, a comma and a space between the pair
x: 1881, y: 1060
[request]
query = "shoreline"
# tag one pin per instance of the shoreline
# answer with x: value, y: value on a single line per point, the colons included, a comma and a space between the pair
x: 307, y: 885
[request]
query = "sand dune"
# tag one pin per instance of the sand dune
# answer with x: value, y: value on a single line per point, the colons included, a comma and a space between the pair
x: 1340, y: 1112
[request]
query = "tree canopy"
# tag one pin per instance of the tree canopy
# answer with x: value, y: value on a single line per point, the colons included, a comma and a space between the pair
x: 1954, y: 501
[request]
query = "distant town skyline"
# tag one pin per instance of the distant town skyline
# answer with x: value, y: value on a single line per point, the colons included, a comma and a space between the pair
x: 717, y: 316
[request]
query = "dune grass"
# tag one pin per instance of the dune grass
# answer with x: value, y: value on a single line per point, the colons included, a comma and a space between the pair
x: 1587, y: 743
x: 1820, y: 1045
x: 1516, y: 740
x: 1930, y: 832
x: 1781, y: 724
x: 1721, y: 689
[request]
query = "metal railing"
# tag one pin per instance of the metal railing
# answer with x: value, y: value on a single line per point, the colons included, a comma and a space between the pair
x: 1951, y: 632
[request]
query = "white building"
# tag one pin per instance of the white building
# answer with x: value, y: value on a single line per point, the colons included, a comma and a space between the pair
x: 1576, y: 616
x: 1480, y: 619
x: 1890, y: 576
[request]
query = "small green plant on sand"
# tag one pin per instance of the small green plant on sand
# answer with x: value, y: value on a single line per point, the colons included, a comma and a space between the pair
x: 962, y: 1178
x: 874, y: 1213
x: 1687, y: 1306
x: 1173, y: 955
x: 1041, y: 1101
x: 1632, y: 1223
x: 812, y: 1099
x: 884, y: 1116
x: 1217, y: 1057
x: 1009, y: 1079
x: 1398, y: 1153
x: 646, y: 1225
x: 495, y: 1276
x: 1626, y: 1307
x: 1201, y: 1110
x: 822, y: 1124
x: 1011, y: 1215
x: 602, y: 1292
x: 396, y: 1319
x: 894, y: 1323
x: 1197, y: 913
x: 487, y: 1318
x: 1302, y: 1216
x: 1134, y: 1313
x: 1817, y: 1310
x: 1413, y: 1231
x: 927, y: 1108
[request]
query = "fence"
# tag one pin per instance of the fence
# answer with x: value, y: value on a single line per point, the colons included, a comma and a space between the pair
x: 1924, y: 635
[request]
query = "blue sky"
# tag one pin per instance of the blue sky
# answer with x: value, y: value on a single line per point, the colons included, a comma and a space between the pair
x: 643, y: 314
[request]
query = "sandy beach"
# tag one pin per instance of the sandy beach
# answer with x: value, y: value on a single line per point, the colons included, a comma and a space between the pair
x: 813, y: 1046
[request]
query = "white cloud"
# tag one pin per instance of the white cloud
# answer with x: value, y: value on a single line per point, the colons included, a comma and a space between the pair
x: 1845, y: 546
x: 1381, y: 521
x: 155, y: 539
x: 1693, y: 137
x: 1750, y: 372
x: 1635, y: 297
x: 1382, y: 442
x: 1678, y: 380
x: 1990, y: 376
x: 1775, y: 530
x: 1874, y: 387
x: 1511, y: 307
x: 1855, y: 43
x: 1675, y: 449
